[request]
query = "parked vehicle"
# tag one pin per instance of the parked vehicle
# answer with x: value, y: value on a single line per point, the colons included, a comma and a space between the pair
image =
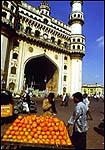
x: 6, y: 105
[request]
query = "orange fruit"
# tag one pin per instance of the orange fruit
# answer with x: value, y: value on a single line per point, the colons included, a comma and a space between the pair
x: 49, y: 136
x: 63, y: 142
x: 12, y: 132
x: 34, y: 125
x: 23, y: 125
x: 24, y: 129
x: 49, y: 124
x: 23, y: 137
x: 27, y: 126
x: 52, y: 124
x: 11, y: 128
x: 43, y: 133
x: 7, y: 132
x: 39, y: 128
x: 19, y: 137
x: 32, y: 133
x: 17, y: 120
x: 14, y: 124
x: 47, y: 132
x: 57, y: 141
x: 16, y: 128
x: 5, y: 137
x: 21, y: 132
x: 40, y: 136
x: 39, y: 132
x: 52, y: 141
x: 45, y: 137
x: 45, y: 128
x: 16, y: 133
x: 54, y: 137
x: 20, y: 128
x: 53, y: 133
x: 34, y: 130
x: 35, y: 135
x: 26, y: 133
x: 57, y: 133
x: 56, y: 128
x: 9, y: 136
x: 51, y: 128
x: 61, y: 128
x: 14, y: 137
x: 60, y: 137
x: 20, y: 117
x: 29, y: 137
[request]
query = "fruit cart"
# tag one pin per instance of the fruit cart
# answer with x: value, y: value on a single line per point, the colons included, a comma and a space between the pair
x: 18, y: 145
x: 38, y: 132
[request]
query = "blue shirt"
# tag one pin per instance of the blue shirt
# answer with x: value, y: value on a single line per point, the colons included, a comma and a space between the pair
x: 79, y: 118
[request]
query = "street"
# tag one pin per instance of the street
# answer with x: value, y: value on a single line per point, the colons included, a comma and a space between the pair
x: 95, y: 140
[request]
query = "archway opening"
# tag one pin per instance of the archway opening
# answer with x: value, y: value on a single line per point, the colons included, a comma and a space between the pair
x: 40, y: 73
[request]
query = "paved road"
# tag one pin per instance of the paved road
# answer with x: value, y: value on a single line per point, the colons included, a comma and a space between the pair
x: 94, y: 139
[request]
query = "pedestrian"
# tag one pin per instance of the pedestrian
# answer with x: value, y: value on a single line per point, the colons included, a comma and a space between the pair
x: 87, y: 103
x: 48, y: 105
x: 63, y: 99
x: 79, y: 122
x: 66, y: 100
x: 27, y: 99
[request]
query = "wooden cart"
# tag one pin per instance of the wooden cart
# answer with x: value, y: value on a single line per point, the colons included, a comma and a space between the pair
x: 19, y: 145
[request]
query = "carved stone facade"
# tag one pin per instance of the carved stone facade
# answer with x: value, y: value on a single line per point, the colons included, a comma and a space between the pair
x: 40, y: 51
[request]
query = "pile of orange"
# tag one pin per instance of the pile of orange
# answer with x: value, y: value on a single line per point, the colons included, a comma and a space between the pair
x: 39, y: 130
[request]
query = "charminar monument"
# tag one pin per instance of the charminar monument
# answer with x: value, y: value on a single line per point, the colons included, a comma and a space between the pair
x: 38, y: 51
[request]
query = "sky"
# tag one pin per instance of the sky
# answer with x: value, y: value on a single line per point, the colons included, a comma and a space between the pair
x: 93, y: 30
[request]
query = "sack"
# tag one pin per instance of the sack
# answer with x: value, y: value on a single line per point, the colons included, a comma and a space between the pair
x: 46, y: 105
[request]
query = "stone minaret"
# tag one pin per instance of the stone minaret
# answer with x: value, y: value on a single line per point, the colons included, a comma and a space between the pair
x: 77, y: 45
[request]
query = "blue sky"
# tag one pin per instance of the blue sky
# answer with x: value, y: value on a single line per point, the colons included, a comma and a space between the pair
x: 93, y: 29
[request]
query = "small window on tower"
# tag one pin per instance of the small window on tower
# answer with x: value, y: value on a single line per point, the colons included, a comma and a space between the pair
x: 78, y: 15
x: 64, y: 89
x: 37, y: 33
x: 28, y: 30
x: 73, y: 40
x: 65, y: 58
x: 78, y: 40
x: 15, y: 55
x: 73, y: 46
x: 65, y: 44
x: 52, y: 39
x: 65, y: 67
x: 59, y: 41
x: 78, y: 47
x: 13, y: 70
x: 65, y: 78
x: 74, y: 15
x: 45, y: 21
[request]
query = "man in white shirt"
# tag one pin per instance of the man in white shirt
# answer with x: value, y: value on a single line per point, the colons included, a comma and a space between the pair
x: 87, y: 103
x: 79, y: 122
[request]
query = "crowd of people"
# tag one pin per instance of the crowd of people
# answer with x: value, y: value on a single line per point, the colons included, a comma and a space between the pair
x: 78, y: 119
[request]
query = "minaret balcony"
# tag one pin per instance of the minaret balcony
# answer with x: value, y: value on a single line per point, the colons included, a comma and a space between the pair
x: 76, y: 16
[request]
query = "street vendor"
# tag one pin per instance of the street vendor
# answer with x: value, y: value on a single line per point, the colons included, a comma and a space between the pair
x: 79, y: 122
x: 48, y: 105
